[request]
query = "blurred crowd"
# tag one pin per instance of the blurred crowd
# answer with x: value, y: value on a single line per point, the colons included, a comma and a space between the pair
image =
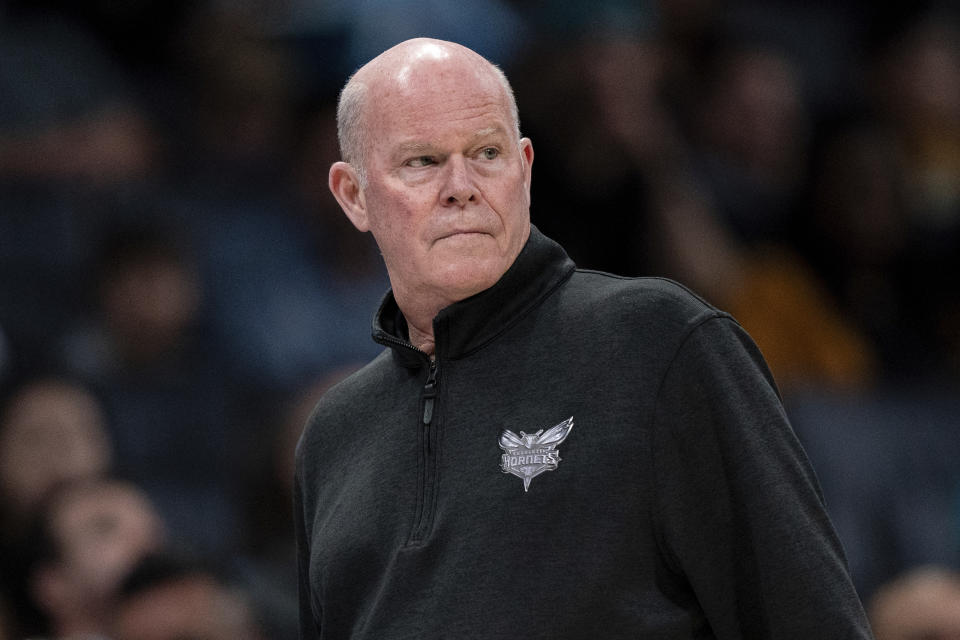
x: 177, y: 286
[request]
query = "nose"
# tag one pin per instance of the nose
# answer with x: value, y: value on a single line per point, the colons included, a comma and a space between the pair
x: 459, y: 188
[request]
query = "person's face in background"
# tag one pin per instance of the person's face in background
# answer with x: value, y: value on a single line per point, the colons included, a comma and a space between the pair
x: 51, y: 432
x: 101, y: 529
x: 149, y: 306
x: 189, y: 606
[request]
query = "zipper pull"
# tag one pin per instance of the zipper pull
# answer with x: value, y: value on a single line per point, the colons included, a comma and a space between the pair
x: 430, y: 393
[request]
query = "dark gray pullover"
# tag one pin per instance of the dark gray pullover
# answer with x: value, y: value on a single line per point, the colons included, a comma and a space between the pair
x: 456, y: 500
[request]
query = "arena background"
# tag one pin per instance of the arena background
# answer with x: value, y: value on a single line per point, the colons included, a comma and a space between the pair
x: 169, y: 247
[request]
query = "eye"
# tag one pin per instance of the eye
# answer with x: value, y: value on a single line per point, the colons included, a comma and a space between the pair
x: 421, y: 161
x: 489, y: 153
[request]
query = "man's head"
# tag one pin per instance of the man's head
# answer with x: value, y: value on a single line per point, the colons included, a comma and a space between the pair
x: 435, y: 168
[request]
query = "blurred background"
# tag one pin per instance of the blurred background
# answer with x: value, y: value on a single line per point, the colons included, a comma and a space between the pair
x: 177, y: 286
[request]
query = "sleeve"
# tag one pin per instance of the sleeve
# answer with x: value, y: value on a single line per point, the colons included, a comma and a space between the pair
x: 739, y: 510
x: 309, y: 620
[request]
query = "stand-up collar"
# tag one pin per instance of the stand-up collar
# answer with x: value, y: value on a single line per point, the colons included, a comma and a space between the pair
x: 469, y: 324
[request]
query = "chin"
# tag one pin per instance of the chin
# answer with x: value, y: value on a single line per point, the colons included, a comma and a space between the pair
x: 469, y: 275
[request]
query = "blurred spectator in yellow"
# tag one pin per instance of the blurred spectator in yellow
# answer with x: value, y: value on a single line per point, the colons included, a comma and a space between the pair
x: 89, y: 537
x: 883, y: 226
x: 698, y: 172
x: 768, y: 288
x: 723, y: 221
x: 918, y: 91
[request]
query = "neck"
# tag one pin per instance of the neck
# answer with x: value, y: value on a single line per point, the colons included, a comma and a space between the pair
x: 419, y: 312
x: 423, y: 340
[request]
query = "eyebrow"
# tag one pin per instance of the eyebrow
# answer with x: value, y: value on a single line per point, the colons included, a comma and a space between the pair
x: 416, y: 148
x: 489, y: 131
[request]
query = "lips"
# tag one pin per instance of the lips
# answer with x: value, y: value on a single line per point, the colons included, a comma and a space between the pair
x: 463, y: 227
x: 462, y: 232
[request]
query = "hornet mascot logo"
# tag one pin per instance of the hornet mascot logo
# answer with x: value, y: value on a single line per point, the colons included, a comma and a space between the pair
x: 527, y: 456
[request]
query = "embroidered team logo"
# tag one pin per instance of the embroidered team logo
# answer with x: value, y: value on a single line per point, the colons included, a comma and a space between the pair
x: 527, y: 456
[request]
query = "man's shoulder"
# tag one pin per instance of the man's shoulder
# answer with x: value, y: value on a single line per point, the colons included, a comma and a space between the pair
x: 354, y: 390
x: 360, y: 383
x: 331, y: 425
x: 650, y: 298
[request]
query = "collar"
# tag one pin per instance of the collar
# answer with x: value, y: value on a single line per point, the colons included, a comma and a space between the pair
x: 468, y: 325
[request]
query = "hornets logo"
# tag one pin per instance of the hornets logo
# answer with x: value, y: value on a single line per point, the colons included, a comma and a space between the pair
x: 527, y: 456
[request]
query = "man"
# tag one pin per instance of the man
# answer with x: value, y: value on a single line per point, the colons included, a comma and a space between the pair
x: 678, y: 503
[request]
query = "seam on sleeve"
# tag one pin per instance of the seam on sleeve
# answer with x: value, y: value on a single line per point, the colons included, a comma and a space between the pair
x: 653, y: 429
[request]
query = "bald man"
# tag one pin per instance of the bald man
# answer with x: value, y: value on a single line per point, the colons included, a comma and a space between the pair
x: 678, y: 503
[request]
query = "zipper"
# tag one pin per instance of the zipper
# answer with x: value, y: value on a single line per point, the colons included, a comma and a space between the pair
x: 428, y: 434
x: 430, y: 393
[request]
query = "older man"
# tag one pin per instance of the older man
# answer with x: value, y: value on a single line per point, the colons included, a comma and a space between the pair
x: 678, y: 503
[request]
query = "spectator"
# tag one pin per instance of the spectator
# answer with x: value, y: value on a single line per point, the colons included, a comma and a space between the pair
x: 269, y: 569
x: 172, y: 409
x: 89, y: 536
x: 751, y: 133
x: 288, y: 296
x: 886, y: 224
x: 148, y: 297
x: 165, y: 598
x: 616, y: 133
x: 71, y: 135
x: 52, y: 430
x: 924, y: 603
x: 809, y: 185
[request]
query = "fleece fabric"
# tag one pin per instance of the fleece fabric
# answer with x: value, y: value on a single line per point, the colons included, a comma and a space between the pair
x: 679, y: 504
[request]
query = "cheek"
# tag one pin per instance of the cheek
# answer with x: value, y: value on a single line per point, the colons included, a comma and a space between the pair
x: 512, y: 203
x: 396, y: 218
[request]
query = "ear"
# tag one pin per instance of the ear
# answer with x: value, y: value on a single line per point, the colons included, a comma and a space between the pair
x: 345, y: 186
x: 526, y: 153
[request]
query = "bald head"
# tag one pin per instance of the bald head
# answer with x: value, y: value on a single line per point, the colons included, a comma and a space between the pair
x: 436, y: 171
x: 405, y: 69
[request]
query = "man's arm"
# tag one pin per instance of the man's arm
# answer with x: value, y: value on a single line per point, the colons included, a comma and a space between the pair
x: 309, y: 623
x: 740, y: 512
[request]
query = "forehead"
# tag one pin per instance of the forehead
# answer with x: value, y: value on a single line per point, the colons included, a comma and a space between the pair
x: 434, y: 97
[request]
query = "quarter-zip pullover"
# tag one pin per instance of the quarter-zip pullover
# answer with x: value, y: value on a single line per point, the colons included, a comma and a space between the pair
x: 677, y: 503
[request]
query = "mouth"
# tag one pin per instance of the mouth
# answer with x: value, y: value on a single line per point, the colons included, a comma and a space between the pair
x: 462, y: 233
